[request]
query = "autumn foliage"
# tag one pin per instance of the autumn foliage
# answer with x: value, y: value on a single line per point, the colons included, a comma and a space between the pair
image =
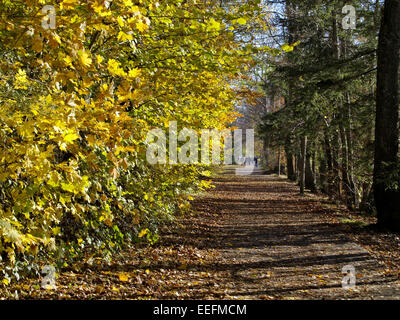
x: 76, y: 103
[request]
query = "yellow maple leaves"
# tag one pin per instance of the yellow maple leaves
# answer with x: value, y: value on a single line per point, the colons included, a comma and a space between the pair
x: 123, y: 277
x: 213, y: 25
x: 21, y: 80
x: 77, y: 102
x: 114, y: 67
x: 134, y: 73
x: 68, y: 4
x: 84, y: 58
x: 122, y: 36
x: 143, y: 25
x: 70, y: 137
x: 241, y: 21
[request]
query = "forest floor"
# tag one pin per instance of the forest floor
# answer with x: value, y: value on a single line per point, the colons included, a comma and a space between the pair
x: 252, y: 237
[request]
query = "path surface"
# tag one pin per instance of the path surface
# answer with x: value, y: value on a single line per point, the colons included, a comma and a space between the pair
x: 252, y: 237
x: 277, y: 244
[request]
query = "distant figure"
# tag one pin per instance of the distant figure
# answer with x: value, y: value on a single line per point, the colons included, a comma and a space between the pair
x: 249, y: 161
x: 256, y: 161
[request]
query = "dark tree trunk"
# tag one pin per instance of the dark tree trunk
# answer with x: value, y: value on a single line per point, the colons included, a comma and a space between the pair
x: 279, y: 161
x: 290, y: 165
x: 387, y: 117
x: 328, y: 164
x: 337, y: 179
x: 323, y: 174
x: 266, y: 152
x: 303, y: 164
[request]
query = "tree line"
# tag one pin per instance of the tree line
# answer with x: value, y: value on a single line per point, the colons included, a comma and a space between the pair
x: 338, y: 124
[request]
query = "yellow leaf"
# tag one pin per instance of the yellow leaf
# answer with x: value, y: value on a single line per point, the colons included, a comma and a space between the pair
x: 68, y: 61
x: 68, y: 4
x: 121, y: 21
x: 123, y: 277
x: 141, y: 26
x: 213, y: 25
x: 122, y: 36
x: 99, y: 59
x: 114, y: 67
x: 70, y: 137
x: 241, y: 21
x: 134, y: 73
x: 287, y: 48
x: 143, y: 233
x: 84, y: 59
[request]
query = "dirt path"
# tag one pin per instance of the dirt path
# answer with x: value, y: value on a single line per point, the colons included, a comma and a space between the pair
x: 252, y: 237
x: 276, y: 244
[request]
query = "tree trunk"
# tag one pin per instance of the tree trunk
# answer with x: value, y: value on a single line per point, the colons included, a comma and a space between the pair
x: 266, y: 152
x: 279, y: 161
x: 290, y: 165
x: 353, y: 197
x: 310, y: 175
x: 303, y: 164
x: 387, y: 117
x: 337, y: 179
x: 327, y: 178
x: 323, y: 170
x: 353, y: 184
x: 348, y: 192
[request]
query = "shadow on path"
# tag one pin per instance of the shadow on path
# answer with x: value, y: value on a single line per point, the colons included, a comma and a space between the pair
x: 275, y: 243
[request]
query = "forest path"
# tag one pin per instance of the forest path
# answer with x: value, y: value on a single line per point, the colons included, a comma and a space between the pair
x: 252, y: 237
x: 277, y: 244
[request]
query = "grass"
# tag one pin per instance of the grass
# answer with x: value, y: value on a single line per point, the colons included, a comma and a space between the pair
x: 355, y: 223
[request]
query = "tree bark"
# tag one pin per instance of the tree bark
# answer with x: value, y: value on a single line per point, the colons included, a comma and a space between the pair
x: 266, y: 152
x: 279, y: 161
x: 303, y: 164
x: 290, y: 165
x: 328, y: 179
x: 310, y: 175
x: 348, y: 192
x: 387, y: 117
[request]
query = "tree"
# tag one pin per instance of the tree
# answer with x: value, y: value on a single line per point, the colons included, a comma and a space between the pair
x: 77, y: 101
x: 328, y: 82
x: 386, y: 172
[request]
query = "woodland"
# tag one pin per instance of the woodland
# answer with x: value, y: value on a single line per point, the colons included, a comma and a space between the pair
x: 84, y: 215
